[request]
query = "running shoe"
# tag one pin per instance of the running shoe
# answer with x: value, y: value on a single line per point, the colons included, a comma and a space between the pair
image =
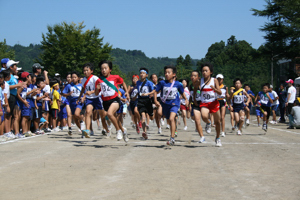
x: 86, y: 133
x: 168, y: 126
x: 290, y: 127
x: 208, y: 128
x: 233, y: 128
x: 264, y: 127
x: 119, y: 135
x: 171, y: 142
x: 47, y: 130
x: 218, y: 142
x: 104, y: 132
x: 26, y: 134
x: 140, y: 124
x: 137, y: 129
x: 176, y: 133
x: 159, y: 130
x: 92, y: 133
x: 223, y: 134
x: 162, y: 122
x: 82, y: 125
x: 185, y: 128
x: 145, y: 136
x: 239, y: 132
x: 247, y: 122
x: 125, y: 137
x: 20, y: 135
x: 70, y: 132
x: 10, y: 136
x: 258, y: 125
x: 56, y: 129
x: 147, y: 126
x: 202, y: 140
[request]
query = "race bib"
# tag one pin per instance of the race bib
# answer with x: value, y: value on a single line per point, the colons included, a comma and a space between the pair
x: 134, y: 93
x: 106, y: 90
x: 238, y: 99
x: 173, y: 93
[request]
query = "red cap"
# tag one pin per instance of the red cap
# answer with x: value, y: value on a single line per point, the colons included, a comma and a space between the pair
x: 290, y: 81
x: 24, y: 74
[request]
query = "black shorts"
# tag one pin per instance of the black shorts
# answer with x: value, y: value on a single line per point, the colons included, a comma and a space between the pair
x: 222, y: 103
x: 54, y: 113
x: 132, y: 105
x: 289, y: 108
x: 194, y: 107
x: 38, y: 113
x: 266, y: 109
x: 106, y: 104
x: 11, y: 103
x: 145, y: 106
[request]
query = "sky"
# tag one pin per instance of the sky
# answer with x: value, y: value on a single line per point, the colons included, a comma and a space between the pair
x: 159, y: 28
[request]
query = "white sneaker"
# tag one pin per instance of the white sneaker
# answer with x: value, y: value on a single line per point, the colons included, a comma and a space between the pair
x: 208, y: 128
x: 185, y: 128
x: 168, y: 126
x: 2, y: 138
x: 272, y: 122
x: 223, y: 134
x: 56, y: 129
x: 125, y: 130
x: 202, y: 140
x: 125, y: 137
x: 247, y: 122
x: 119, y: 135
x: 82, y: 126
x: 239, y: 132
x: 159, y: 130
x: 162, y: 122
x: 218, y: 143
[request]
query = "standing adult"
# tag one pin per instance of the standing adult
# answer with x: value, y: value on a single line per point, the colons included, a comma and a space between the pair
x: 3, y: 63
x: 282, y: 94
x: 291, y: 96
x: 37, y: 70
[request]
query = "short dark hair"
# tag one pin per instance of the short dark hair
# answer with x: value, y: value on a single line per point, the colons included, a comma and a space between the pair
x: 245, y: 85
x: 89, y: 65
x: 184, y: 79
x: 77, y: 74
x: 108, y: 62
x: 297, y: 102
x: 52, y: 82
x: 6, y: 73
x: 144, y: 68
x: 196, y: 72
x: 170, y: 67
x: 237, y: 79
x: 266, y: 84
x: 152, y: 76
x: 209, y: 65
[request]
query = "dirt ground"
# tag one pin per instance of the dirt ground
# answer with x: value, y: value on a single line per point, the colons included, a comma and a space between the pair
x: 251, y: 166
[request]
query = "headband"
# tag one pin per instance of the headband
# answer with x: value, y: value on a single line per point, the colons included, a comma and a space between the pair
x: 135, y: 76
x: 54, y: 85
x: 143, y: 71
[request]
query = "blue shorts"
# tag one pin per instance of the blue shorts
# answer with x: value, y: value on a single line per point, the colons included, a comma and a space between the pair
x: 25, y: 111
x: 73, y: 106
x: 63, y: 113
x: 167, y: 109
x: 275, y: 107
x: 47, y: 108
x: 120, y: 109
x: 96, y: 103
x: 250, y: 106
x: 258, y: 112
x: 238, y: 107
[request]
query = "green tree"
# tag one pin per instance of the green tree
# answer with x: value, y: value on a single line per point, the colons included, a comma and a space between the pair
x: 187, y: 61
x: 67, y: 47
x: 5, y: 51
x: 179, y: 60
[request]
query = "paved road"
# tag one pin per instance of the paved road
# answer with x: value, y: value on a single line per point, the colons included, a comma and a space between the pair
x: 251, y: 166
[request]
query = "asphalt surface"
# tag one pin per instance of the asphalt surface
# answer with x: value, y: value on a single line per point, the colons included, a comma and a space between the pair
x: 252, y: 166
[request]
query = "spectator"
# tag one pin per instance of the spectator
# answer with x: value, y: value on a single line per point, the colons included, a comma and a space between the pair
x: 291, y: 96
x: 294, y: 117
x: 282, y: 94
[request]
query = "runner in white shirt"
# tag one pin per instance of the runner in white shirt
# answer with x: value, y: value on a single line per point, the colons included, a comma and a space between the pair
x: 275, y: 104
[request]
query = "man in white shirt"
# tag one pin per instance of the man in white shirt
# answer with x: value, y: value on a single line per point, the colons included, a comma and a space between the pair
x: 294, y: 117
x: 274, y: 105
x: 291, y: 96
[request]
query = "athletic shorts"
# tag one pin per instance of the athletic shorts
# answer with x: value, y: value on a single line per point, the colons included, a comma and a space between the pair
x: 96, y: 103
x: 38, y: 113
x: 250, y: 106
x: 63, y: 114
x: 145, y: 106
x: 54, y: 113
x: 132, y: 105
x: 106, y: 104
x: 275, y: 107
x: 32, y: 114
x: 46, y: 104
x: 266, y: 109
x: 222, y: 103
x: 238, y: 107
x: 25, y: 111
x: 184, y: 107
x: 120, y: 111
x: 258, y: 112
x: 73, y: 105
x: 11, y: 103
x: 212, y: 106
x: 167, y: 109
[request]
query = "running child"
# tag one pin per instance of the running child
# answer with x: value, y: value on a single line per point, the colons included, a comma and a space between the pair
x: 249, y: 107
x: 238, y: 96
x: 168, y: 90
x: 209, y: 104
x: 108, y: 84
x: 222, y: 101
x: 156, y: 110
x: 133, y: 91
x: 185, y: 111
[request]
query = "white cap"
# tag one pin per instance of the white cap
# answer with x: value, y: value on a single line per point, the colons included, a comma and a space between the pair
x: 19, y: 68
x: 271, y: 86
x: 220, y: 76
x: 57, y: 74
x: 11, y: 62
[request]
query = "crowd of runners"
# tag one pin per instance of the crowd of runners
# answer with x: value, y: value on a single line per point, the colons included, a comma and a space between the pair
x: 33, y: 103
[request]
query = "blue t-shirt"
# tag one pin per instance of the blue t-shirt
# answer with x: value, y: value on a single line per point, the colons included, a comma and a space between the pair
x: 13, y: 81
x: 173, y: 97
x: 250, y: 92
x: 265, y: 101
x: 123, y: 94
x: 148, y: 87
x: 76, y: 89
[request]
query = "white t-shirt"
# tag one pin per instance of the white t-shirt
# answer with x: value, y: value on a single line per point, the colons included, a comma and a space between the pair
x: 6, y: 90
x: 292, y: 91
x: 276, y: 102
x: 90, y: 86
x: 46, y: 89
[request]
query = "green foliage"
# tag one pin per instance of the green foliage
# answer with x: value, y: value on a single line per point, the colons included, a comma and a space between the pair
x: 67, y: 47
x: 5, y: 51
x: 27, y: 55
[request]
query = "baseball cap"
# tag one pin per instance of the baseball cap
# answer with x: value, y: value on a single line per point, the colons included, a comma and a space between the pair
x: 220, y: 76
x: 271, y: 86
x: 4, y: 60
x: 11, y: 63
x: 56, y: 74
x: 290, y: 81
x: 38, y: 66
x: 19, y: 68
x: 24, y: 74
